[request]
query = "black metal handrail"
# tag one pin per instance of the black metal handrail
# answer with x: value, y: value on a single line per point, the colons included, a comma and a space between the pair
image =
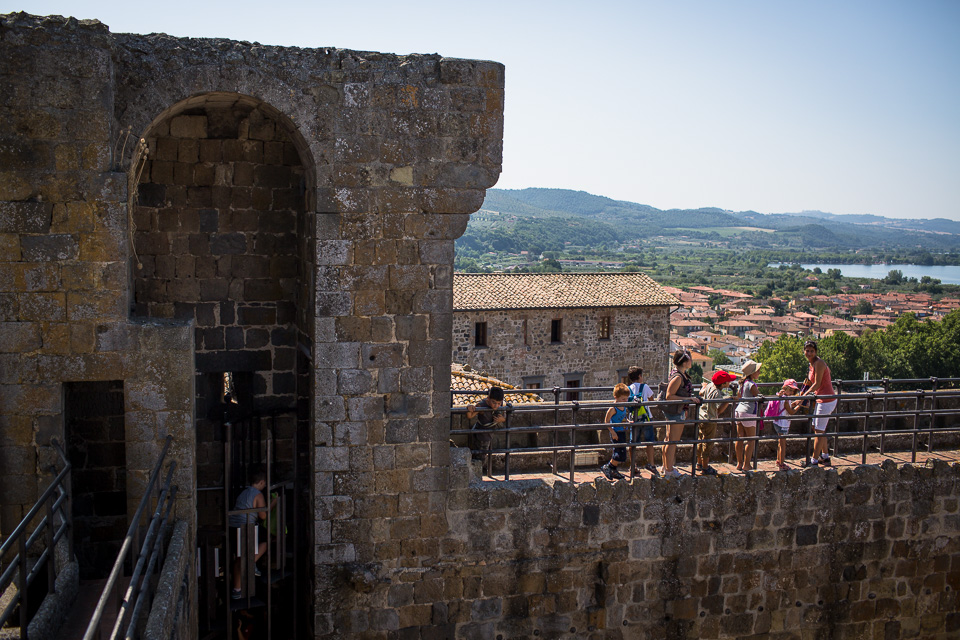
x: 147, y: 555
x: 576, y: 424
x: 52, y: 533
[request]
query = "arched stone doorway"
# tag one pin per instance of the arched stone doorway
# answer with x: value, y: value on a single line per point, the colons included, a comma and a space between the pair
x: 222, y: 213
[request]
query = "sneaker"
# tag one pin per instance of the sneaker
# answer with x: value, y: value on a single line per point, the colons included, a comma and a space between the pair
x: 236, y: 594
x: 825, y: 461
x: 616, y: 473
x: 607, y: 472
x: 675, y: 473
x: 812, y: 462
x: 708, y: 471
x: 652, y: 469
x: 256, y: 571
x: 699, y: 468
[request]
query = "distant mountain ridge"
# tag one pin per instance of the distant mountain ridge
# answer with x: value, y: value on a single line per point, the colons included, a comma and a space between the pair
x: 506, y: 210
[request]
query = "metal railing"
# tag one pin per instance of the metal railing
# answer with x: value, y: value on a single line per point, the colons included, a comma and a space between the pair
x: 227, y: 553
x: 578, y: 425
x: 149, y: 556
x: 56, y: 501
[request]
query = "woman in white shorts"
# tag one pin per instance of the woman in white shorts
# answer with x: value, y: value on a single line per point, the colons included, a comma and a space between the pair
x: 746, y: 414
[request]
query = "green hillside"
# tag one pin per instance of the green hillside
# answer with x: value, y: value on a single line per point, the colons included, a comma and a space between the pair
x: 537, y: 220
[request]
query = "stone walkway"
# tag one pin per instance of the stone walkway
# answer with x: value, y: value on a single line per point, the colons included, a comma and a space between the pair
x: 839, y: 462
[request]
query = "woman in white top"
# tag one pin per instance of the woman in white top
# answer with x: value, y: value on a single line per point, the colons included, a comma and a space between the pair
x: 746, y: 414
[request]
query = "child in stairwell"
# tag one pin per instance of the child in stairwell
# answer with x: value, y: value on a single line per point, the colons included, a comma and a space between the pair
x: 618, y: 434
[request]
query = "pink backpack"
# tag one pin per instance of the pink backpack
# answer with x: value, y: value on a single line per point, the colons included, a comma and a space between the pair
x: 774, y: 409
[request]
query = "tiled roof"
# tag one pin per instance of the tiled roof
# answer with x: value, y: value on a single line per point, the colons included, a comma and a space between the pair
x: 464, y: 379
x: 475, y: 291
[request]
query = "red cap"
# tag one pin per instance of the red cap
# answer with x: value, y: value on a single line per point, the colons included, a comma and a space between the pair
x: 722, y: 376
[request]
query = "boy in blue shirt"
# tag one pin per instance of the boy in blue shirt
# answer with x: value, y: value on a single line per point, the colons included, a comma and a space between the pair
x: 619, y: 433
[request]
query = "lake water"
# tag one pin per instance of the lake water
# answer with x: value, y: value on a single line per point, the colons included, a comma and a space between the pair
x: 946, y: 274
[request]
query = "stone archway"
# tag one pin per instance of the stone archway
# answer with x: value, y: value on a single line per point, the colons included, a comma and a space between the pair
x: 223, y: 228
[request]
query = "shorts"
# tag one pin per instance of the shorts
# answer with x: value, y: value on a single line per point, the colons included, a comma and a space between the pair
x: 648, y: 433
x: 620, y: 453
x: 823, y: 409
x: 747, y: 424
x: 782, y: 427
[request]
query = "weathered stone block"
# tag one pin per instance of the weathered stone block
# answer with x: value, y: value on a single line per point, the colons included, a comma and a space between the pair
x: 25, y: 217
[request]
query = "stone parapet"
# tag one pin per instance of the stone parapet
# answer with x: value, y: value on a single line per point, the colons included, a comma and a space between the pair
x: 864, y: 553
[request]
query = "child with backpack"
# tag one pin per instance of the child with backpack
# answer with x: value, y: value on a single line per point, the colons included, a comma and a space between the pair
x: 777, y: 408
x: 618, y: 434
x: 642, y: 393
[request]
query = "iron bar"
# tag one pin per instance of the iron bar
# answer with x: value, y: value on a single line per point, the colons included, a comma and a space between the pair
x: 93, y: 627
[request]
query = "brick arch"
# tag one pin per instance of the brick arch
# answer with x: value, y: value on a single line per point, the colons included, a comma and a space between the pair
x: 223, y: 231
x: 170, y: 93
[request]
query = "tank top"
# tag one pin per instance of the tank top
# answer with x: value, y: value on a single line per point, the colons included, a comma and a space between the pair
x: 245, y: 501
x: 826, y: 385
x: 749, y: 391
x: 619, y: 415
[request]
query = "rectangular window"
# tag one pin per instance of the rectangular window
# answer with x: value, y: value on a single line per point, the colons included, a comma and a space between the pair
x: 526, y: 335
x: 573, y: 396
x: 533, y: 382
x: 480, y: 335
x: 604, y: 328
x: 556, y: 330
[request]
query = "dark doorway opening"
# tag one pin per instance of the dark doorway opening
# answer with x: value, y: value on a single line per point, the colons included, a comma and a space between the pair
x: 94, y: 430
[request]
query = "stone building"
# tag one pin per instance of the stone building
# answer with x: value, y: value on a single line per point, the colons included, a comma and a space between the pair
x: 545, y: 330
x: 285, y: 234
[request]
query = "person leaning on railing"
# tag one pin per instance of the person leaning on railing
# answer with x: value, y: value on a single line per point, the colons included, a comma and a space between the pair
x: 488, y: 416
x: 747, y: 412
x: 679, y: 387
x: 710, y: 412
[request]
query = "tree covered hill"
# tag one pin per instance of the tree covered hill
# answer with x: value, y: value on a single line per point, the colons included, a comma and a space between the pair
x: 537, y: 220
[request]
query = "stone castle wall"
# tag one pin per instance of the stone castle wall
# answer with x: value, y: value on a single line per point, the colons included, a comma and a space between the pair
x: 64, y: 286
x: 373, y: 160
x: 868, y: 553
x: 519, y: 346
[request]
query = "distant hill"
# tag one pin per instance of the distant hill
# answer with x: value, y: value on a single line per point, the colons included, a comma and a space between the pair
x: 551, y: 219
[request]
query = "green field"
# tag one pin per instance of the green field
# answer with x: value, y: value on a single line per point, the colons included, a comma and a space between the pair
x: 726, y: 232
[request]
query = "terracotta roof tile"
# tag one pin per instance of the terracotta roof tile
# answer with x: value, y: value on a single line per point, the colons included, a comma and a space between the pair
x: 475, y: 291
x: 467, y: 380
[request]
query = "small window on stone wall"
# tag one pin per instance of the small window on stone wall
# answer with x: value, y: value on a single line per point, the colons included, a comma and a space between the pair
x: 556, y: 330
x: 573, y: 380
x: 604, y: 328
x: 526, y: 334
x: 480, y: 335
x: 533, y: 382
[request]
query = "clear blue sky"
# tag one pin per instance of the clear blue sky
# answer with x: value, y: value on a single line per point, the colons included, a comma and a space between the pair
x: 847, y: 107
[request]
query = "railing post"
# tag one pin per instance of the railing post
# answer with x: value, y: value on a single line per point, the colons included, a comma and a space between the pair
x: 933, y: 414
x: 916, y: 423
x: 556, y: 434
x: 839, y: 412
x: 883, y: 425
x: 573, y: 442
x: 506, y: 442
x: 23, y: 587
x: 867, y: 402
x: 51, y: 559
